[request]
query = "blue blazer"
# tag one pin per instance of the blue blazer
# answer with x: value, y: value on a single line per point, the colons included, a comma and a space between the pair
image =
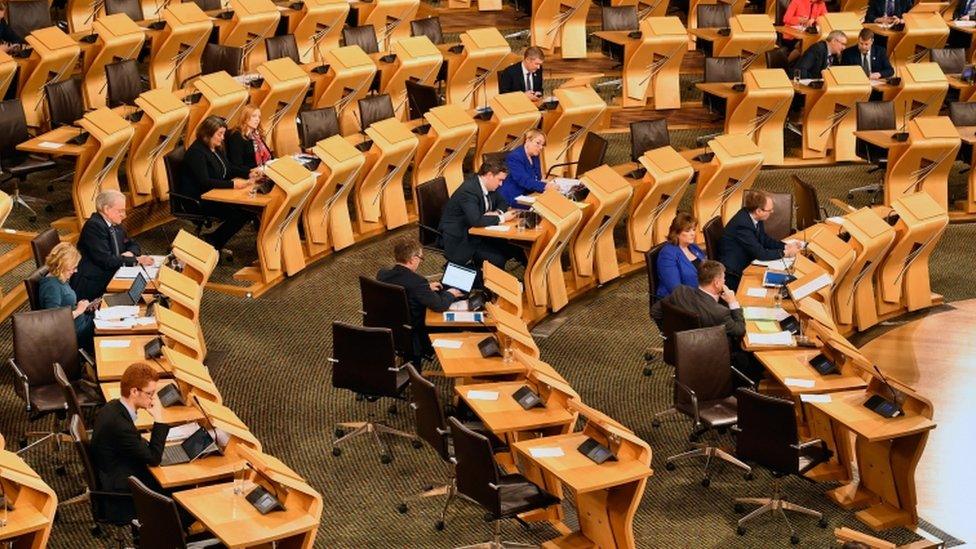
x: 524, y: 177
x: 674, y: 269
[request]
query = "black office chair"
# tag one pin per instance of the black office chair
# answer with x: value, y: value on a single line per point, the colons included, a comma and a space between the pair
x: 385, y: 306
x: 315, y: 125
x: 421, y: 98
x: 431, y: 198
x: 502, y: 496
x: 950, y: 60
x: 132, y: 8
x: 873, y: 115
x: 42, y: 244
x: 780, y: 222
x: 364, y: 362
x: 720, y: 69
x: 159, y: 522
x: 712, y: 16
x: 99, y: 499
x: 216, y: 58
x: 591, y: 155
x: 364, y: 37
x: 703, y: 391
x: 123, y: 82
x: 209, y: 5
x: 15, y: 165
x: 766, y: 435
x: 429, y: 27
x: 374, y: 108
x: 33, y: 284
x: 65, y: 104
x: 646, y: 135
x: 27, y: 16
x: 777, y: 58
x: 713, y: 231
x: 282, y: 46
x: 780, y: 11
x: 617, y: 18
x: 963, y: 113
x: 809, y: 212
x: 182, y: 206
x: 653, y: 280
x: 673, y: 320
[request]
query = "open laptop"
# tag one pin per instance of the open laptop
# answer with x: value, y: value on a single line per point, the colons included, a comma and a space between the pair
x: 458, y: 277
x: 195, y: 445
x: 130, y: 297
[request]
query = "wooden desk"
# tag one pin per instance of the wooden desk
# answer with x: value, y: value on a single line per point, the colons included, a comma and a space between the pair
x: 467, y: 361
x: 35, y: 503
x: 172, y: 415
x: 433, y: 319
x: 54, y: 143
x: 795, y: 364
x: 111, y: 362
x: 506, y: 416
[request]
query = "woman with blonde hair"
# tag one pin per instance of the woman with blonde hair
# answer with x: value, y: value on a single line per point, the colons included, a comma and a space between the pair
x: 525, y: 168
x: 54, y: 292
x: 245, y: 143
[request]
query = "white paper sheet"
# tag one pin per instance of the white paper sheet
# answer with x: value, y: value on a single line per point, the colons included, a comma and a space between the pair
x: 812, y: 286
x: 525, y: 200
x: 115, y: 343
x: 117, y: 312
x: 756, y: 292
x: 553, y: 452
x: 764, y: 313
x: 565, y: 183
x: 814, y: 398
x: 798, y: 382
x: 464, y: 316
x: 498, y: 228
x: 115, y: 324
x: 459, y: 305
x: 446, y: 344
x: 181, y: 432
x: 779, y: 264
x: 50, y: 145
x: 775, y: 338
x: 481, y: 395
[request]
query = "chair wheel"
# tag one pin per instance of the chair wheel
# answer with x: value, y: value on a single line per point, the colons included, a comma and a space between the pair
x: 402, y: 508
x: 648, y: 357
x: 794, y: 539
x: 648, y: 372
x: 417, y: 444
x: 96, y: 531
x: 822, y: 522
x: 385, y: 459
x: 61, y: 470
x: 655, y: 423
x: 49, y: 208
x: 339, y: 433
x: 439, y: 525
x: 337, y: 452
x: 748, y: 476
x: 22, y: 443
x: 739, y: 508
x: 392, y: 410
x: 706, y: 482
x: 32, y: 218
x: 741, y: 530
x: 669, y: 466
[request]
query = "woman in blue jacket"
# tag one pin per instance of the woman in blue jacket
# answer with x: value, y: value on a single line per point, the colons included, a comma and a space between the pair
x: 678, y: 261
x: 525, y: 168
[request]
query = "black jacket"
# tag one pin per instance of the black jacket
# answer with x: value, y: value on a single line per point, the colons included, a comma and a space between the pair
x: 876, y: 9
x: 512, y: 80
x: 466, y: 209
x: 98, y: 258
x: 240, y: 151
x: 743, y: 242
x: 204, y: 170
x: 960, y: 9
x: 879, y: 60
x: 419, y: 298
x: 710, y: 312
x: 118, y: 451
x: 813, y: 61
x: 8, y: 34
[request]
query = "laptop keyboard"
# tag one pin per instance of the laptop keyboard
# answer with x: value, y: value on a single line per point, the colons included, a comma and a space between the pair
x: 174, y: 454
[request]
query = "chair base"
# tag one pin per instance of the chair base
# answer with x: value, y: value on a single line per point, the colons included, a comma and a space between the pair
x: 496, y: 542
x: 775, y: 504
x: 708, y: 452
x: 656, y: 421
x: 375, y: 429
x: 20, y: 200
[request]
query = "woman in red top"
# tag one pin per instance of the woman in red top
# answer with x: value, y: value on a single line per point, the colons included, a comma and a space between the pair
x: 803, y: 13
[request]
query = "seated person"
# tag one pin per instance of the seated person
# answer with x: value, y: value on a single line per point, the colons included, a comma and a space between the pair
x: 965, y: 11
x: 524, y: 76
x: 525, y: 168
x: 477, y: 203
x: 821, y: 55
x: 245, y: 145
x: 117, y: 448
x: 745, y: 238
x: 678, y: 261
x: 421, y: 294
x: 872, y: 58
x: 104, y: 247
x: 206, y: 167
x: 53, y: 292
x: 887, y: 11
x: 10, y: 41
x: 804, y: 13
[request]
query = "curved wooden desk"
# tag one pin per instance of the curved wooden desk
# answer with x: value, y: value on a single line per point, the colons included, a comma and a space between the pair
x: 110, y: 136
x: 472, y: 75
x: 579, y: 110
x: 347, y: 81
x: 253, y: 21
x: 156, y: 134
x: 34, y: 504
x: 379, y: 198
x: 317, y: 28
x: 828, y: 113
x: 220, y: 95
x: 726, y: 177
x: 441, y: 151
x: 513, y: 114
x: 390, y: 18
x: 176, y: 52
x: 592, y: 249
x: 118, y: 38
x: 53, y: 57
x: 279, y: 98
x: 417, y: 60
x: 326, y: 219
x: 655, y: 199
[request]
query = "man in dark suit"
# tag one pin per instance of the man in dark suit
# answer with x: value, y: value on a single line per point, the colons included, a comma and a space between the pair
x: 104, y: 247
x: 965, y: 10
x: 118, y: 450
x: 745, y: 238
x: 477, y: 203
x: 821, y: 55
x: 524, y: 76
x: 873, y: 59
x: 887, y: 11
x: 421, y: 294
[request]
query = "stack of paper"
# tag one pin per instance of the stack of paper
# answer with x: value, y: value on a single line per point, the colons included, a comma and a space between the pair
x: 812, y: 286
x: 498, y: 228
x: 132, y: 272
x: 482, y: 395
x: 798, y: 382
x: 553, y: 452
x: 777, y: 338
x: 565, y: 184
x: 756, y: 292
x: 764, y: 313
x: 117, y: 312
x: 782, y: 264
x: 446, y: 344
x: 181, y: 432
x: 116, y: 324
x: 525, y: 200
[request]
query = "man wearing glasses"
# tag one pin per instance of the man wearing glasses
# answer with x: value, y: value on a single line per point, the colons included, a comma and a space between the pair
x: 745, y: 238
x: 821, y: 55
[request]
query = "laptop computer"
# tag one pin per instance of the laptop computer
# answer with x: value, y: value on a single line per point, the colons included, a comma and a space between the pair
x: 458, y: 277
x: 195, y: 445
x: 130, y: 297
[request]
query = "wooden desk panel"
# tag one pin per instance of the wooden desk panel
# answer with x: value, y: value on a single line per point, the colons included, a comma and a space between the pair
x: 505, y: 415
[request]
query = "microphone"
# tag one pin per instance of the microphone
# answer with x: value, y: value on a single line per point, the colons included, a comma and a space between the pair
x: 160, y: 298
x: 894, y: 396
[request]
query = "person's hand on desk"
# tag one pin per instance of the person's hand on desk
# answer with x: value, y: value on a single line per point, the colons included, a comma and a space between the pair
x: 875, y: 76
x: 551, y: 186
x: 242, y: 183
x: 255, y: 173
x: 533, y: 95
x: 455, y: 292
x: 792, y: 248
x: 506, y: 216
x: 145, y: 261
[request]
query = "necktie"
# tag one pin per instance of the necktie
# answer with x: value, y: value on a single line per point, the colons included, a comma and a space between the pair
x: 487, y: 203
x: 114, y: 239
x: 866, y: 63
x: 890, y: 7
x: 528, y: 81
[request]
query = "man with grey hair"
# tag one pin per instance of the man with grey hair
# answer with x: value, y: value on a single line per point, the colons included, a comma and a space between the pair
x: 822, y: 55
x: 104, y: 247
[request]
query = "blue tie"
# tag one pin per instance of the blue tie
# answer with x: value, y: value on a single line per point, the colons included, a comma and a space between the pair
x: 890, y: 7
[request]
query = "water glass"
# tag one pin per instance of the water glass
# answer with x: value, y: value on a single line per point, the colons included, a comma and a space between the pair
x: 239, y: 480
x: 508, y: 355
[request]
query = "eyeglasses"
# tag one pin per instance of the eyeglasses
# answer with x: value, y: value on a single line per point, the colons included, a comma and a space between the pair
x: 149, y: 394
x: 420, y: 256
x: 767, y: 211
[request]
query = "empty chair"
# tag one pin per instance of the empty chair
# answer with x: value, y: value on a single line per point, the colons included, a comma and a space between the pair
x: 714, y: 16
x: 777, y: 58
x: 315, y: 125
x: 963, y: 113
x: 364, y: 37
x: 766, y: 435
x: 15, y: 165
x: 703, y: 391
x: 950, y: 60
x: 181, y: 206
x: 720, y: 69
x: 33, y: 286
x: 364, y: 362
x: 431, y: 198
x: 674, y: 320
x: 209, y: 5
x: 713, y: 231
x: 27, y: 16
x: 160, y: 526
x: 618, y: 18
x: 646, y: 135
x: 282, y: 46
x: 421, y: 98
x: 216, y: 58
x: 124, y: 83
x: 374, y: 108
x: 780, y: 222
x: 650, y: 271
x: 808, y: 210
x: 132, y: 8
x: 65, y: 103
x: 429, y: 27
x: 386, y: 306
x: 591, y: 155
x: 43, y: 243
x: 100, y: 501
x: 873, y: 115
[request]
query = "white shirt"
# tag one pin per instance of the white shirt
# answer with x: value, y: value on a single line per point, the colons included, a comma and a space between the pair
x: 754, y: 222
x: 130, y: 409
x: 525, y: 76
x: 484, y: 193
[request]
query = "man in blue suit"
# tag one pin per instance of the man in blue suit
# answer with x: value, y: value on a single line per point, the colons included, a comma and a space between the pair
x: 525, y: 168
x: 873, y: 59
x: 745, y: 238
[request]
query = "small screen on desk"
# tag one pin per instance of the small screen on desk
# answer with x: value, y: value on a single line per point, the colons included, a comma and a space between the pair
x: 456, y: 276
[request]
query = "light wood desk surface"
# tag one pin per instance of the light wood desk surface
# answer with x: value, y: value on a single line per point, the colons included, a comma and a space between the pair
x: 506, y: 415
x: 467, y: 361
x: 795, y: 364
x: 111, y: 362
x: 718, y: 89
x: 23, y: 519
x: 752, y: 278
x: 525, y: 235
x: 202, y: 470
x: 237, y: 196
x: 58, y: 135
x: 434, y: 319
x: 881, y: 138
x: 848, y: 408
x: 139, y: 329
x: 576, y: 470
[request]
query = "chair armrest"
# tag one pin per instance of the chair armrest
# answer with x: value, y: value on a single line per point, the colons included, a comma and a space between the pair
x: 426, y: 228
x: 86, y: 357
x: 691, y: 394
x: 493, y: 486
x: 814, y: 442
x: 549, y: 171
x: 400, y: 367
x: 102, y: 493
x: 744, y: 377
x: 184, y: 197
x: 23, y: 380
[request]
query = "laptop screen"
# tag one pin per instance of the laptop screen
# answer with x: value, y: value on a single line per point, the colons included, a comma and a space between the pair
x: 456, y: 276
x: 138, y: 286
x: 197, y: 443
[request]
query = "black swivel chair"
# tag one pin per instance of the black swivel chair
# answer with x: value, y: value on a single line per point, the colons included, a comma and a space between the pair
x: 647, y: 135
x: 15, y: 165
x: 703, y: 391
x: 777, y: 58
x: 502, y: 496
x: 385, y: 306
x: 766, y: 435
x: 950, y: 60
x: 873, y: 115
x: 65, y: 104
x: 27, y: 16
x: 809, y: 212
x: 653, y: 280
x: 124, y: 83
x: 98, y: 498
x: 720, y: 69
x: 617, y: 18
x: 364, y: 37
x: 591, y: 155
x: 673, y: 320
x: 374, y: 108
x: 160, y: 526
x: 282, y: 46
x: 712, y: 16
x: 132, y: 8
x: 209, y: 5
x: 963, y: 113
x: 713, y: 231
x: 42, y: 244
x: 429, y: 27
x: 421, y: 98
x: 216, y: 58
x: 779, y: 12
x: 33, y: 284
x: 431, y: 197
x: 364, y: 362
x: 181, y: 206
x: 780, y: 222
x: 315, y: 125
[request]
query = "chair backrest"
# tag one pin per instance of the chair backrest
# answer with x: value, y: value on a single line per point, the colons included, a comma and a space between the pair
x: 209, y: 5
x: 13, y: 126
x: 42, y: 338
x: 781, y: 7
x: 620, y: 18
x: 950, y: 60
x: 385, y: 306
x: 315, y: 125
x: 714, y: 16
x: 675, y: 320
x: 780, y: 222
x: 43, y: 243
x: 33, y: 284
x: 173, y: 162
x: 374, y: 108
x: 27, y: 16
x: 807, y: 206
x: 722, y: 69
x: 283, y: 45
x: 70, y: 396
x: 475, y: 467
x: 421, y: 98
x: 76, y: 426
x: 713, y: 231
x: 429, y: 27
x: 363, y: 359
x: 216, y: 58
x: 766, y: 430
x: 160, y: 526
x: 132, y: 8
x: 876, y: 115
x: 429, y: 418
x: 702, y: 363
x: 962, y: 113
x: 646, y: 135
x: 431, y: 198
x: 124, y: 84
x: 650, y: 269
x: 364, y: 37
x: 592, y: 154
x: 65, y: 104
x: 777, y: 58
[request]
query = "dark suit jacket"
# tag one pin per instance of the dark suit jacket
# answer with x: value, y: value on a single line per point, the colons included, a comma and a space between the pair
x: 876, y: 9
x: 419, y: 298
x: 98, y: 260
x: 879, y: 59
x: 118, y: 451
x: 466, y: 209
x: 512, y: 80
x: 711, y: 312
x: 204, y: 170
x: 240, y: 151
x: 743, y: 242
x: 813, y: 61
x: 960, y: 9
